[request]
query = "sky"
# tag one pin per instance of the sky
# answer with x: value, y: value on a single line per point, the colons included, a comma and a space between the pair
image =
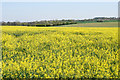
x: 36, y: 11
x: 59, y: 0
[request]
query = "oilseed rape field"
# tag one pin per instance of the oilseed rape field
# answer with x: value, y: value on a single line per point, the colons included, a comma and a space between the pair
x: 59, y: 52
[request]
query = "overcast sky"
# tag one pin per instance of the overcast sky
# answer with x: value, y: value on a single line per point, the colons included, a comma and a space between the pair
x: 32, y: 11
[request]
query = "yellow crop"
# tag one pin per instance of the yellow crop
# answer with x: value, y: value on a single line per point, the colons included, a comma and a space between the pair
x: 49, y: 52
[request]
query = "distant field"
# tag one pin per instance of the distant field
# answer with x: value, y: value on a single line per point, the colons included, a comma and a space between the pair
x: 49, y: 52
x: 97, y: 24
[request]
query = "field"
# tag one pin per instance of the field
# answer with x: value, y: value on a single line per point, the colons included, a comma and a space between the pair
x: 99, y: 24
x: 54, y: 52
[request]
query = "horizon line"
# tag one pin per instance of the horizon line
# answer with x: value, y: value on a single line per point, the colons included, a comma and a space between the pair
x: 60, y: 19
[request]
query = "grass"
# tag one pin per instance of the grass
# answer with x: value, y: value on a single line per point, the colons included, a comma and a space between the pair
x: 97, y: 24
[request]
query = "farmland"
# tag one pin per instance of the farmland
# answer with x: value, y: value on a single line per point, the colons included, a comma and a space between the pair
x: 54, y: 52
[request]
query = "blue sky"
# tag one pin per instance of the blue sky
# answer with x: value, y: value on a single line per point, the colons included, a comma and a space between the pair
x: 59, y: 0
x: 32, y: 11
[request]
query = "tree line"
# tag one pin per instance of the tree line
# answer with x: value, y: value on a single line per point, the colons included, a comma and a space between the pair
x: 58, y: 22
x: 41, y: 23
